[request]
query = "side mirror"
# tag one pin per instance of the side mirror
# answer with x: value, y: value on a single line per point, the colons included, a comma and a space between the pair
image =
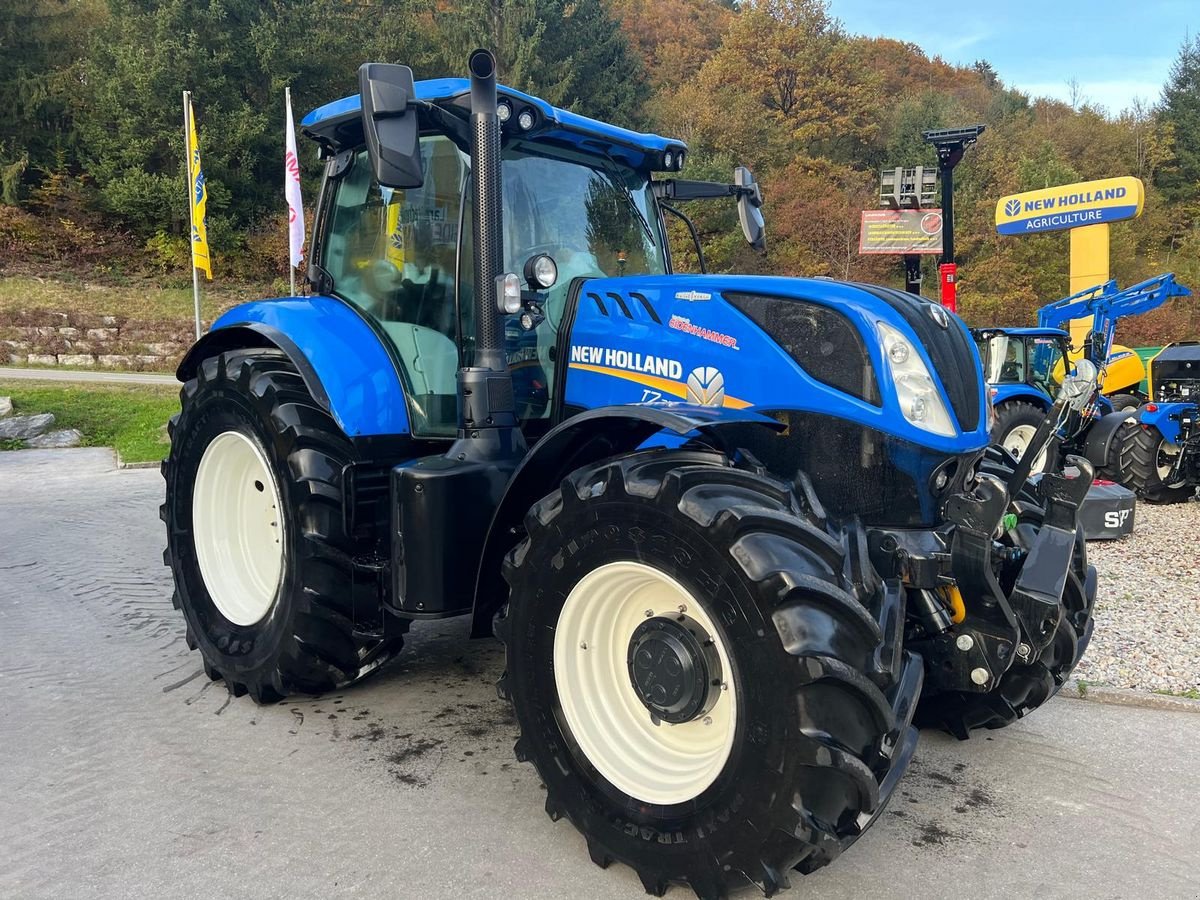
x: 393, y: 138
x: 750, y: 209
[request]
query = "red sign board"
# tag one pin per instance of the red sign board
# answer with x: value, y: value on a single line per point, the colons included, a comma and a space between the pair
x: 901, y: 231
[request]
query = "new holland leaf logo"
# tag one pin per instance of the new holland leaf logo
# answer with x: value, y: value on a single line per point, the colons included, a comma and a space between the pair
x: 1012, y: 207
x: 706, y: 387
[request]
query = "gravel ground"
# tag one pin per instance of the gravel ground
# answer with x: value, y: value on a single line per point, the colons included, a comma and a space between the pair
x: 1148, y: 604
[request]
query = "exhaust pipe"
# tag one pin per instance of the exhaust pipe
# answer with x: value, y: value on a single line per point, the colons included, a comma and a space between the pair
x: 485, y: 388
x: 488, y: 227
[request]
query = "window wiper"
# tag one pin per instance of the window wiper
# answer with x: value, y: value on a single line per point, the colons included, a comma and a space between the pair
x: 613, y: 172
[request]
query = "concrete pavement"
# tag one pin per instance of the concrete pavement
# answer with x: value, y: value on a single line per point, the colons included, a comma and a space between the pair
x: 125, y: 772
x: 86, y: 376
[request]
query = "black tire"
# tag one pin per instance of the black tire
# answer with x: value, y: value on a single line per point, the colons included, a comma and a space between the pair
x: 1119, y: 466
x: 1013, y: 415
x: 309, y: 640
x: 1123, y: 402
x: 815, y: 638
x: 1144, y: 478
x: 1024, y: 687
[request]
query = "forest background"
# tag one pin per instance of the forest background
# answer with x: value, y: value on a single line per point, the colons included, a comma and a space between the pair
x: 91, y: 164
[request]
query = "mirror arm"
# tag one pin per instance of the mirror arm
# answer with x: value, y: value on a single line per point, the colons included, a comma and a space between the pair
x: 679, y: 189
x: 667, y: 208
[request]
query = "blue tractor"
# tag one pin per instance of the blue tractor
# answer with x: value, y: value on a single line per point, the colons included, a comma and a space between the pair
x: 1163, y: 460
x: 1025, y: 368
x: 736, y: 533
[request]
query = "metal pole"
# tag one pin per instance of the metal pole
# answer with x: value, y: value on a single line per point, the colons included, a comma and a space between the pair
x: 947, y: 174
x: 287, y: 99
x: 187, y: 156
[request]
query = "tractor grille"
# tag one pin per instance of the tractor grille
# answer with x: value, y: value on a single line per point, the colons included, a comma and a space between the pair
x: 822, y: 341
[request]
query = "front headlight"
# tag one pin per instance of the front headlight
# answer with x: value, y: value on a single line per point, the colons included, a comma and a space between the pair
x: 919, y: 399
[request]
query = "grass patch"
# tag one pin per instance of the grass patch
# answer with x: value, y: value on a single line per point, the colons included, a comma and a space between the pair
x: 127, y: 417
x: 140, y: 299
x: 1190, y: 693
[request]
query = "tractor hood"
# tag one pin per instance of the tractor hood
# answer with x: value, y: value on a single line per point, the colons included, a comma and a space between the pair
x: 809, y: 345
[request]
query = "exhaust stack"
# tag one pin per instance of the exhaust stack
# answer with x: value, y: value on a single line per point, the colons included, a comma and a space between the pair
x: 485, y: 386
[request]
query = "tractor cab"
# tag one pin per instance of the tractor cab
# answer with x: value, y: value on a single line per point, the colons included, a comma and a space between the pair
x: 1024, y: 357
x: 579, y: 203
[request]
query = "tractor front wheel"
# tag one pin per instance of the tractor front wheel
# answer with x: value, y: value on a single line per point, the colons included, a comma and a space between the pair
x: 263, y: 569
x: 709, y: 681
x: 1016, y: 424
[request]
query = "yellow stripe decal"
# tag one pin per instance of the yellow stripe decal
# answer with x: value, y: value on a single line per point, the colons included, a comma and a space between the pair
x: 674, y: 388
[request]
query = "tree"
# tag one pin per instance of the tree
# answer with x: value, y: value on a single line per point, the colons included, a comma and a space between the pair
x: 1181, y: 111
x: 42, y: 45
x: 572, y: 54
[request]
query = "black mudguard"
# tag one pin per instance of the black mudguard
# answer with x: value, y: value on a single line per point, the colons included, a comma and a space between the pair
x: 1098, y: 444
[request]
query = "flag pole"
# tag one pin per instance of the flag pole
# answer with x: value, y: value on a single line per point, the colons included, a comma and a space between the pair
x: 287, y: 99
x: 187, y: 154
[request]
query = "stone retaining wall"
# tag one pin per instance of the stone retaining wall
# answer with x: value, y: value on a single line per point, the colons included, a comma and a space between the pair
x: 74, y: 339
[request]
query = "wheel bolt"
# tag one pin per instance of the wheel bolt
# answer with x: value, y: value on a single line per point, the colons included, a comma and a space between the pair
x: 708, y: 720
x: 979, y: 676
x: 965, y: 642
x: 583, y: 645
x: 1023, y: 651
x: 649, y: 613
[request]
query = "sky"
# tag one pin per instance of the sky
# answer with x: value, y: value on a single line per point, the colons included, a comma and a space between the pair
x: 1115, y: 49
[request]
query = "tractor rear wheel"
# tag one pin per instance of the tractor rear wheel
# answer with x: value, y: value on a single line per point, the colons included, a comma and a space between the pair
x: 1016, y: 424
x: 1150, y: 469
x: 708, y: 679
x: 263, y: 569
x: 1119, y: 466
x: 1026, y: 685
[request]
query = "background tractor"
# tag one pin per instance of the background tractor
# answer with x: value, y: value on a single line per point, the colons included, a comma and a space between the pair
x: 1163, y: 462
x: 710, y: 517
x: 1024, y: 368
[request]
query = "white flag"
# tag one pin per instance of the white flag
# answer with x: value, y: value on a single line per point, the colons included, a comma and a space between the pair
x: 291, y: 190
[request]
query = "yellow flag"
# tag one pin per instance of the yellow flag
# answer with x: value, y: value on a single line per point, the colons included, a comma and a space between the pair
x: 199, y: 199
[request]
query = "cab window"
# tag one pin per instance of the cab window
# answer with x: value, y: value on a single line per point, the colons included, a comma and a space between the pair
x: 392, y: 254
x: 1005, y: 360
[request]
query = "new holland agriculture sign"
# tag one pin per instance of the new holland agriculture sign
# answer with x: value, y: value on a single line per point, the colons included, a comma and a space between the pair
x: 1070, y: 206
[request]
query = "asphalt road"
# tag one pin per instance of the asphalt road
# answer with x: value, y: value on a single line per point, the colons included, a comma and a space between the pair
x: 125, y: 773
x: 85, y: 375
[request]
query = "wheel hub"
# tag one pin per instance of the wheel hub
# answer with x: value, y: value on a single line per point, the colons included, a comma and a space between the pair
x: 674, y: 668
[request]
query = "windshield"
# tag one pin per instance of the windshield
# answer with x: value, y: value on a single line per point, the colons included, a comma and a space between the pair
x: 1046, y: 368
x: 594, y: 218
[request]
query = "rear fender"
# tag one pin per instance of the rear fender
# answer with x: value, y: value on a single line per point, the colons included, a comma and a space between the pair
x: 1164, y: 418
x: 586, y: 438
x: 1098, y: 444
x: 342, y: 360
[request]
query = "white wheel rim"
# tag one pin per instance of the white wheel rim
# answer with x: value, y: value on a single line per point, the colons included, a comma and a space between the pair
x: 663, y: 764
x: 237, y: 528
x: 1165, y: 462
x: 1017, y: 442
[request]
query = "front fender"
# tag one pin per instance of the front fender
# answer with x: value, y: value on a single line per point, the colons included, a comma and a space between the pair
x: 1164, y: 417
x: 343, y: 362
x: 1003, y: 393
x: 580, y: 440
